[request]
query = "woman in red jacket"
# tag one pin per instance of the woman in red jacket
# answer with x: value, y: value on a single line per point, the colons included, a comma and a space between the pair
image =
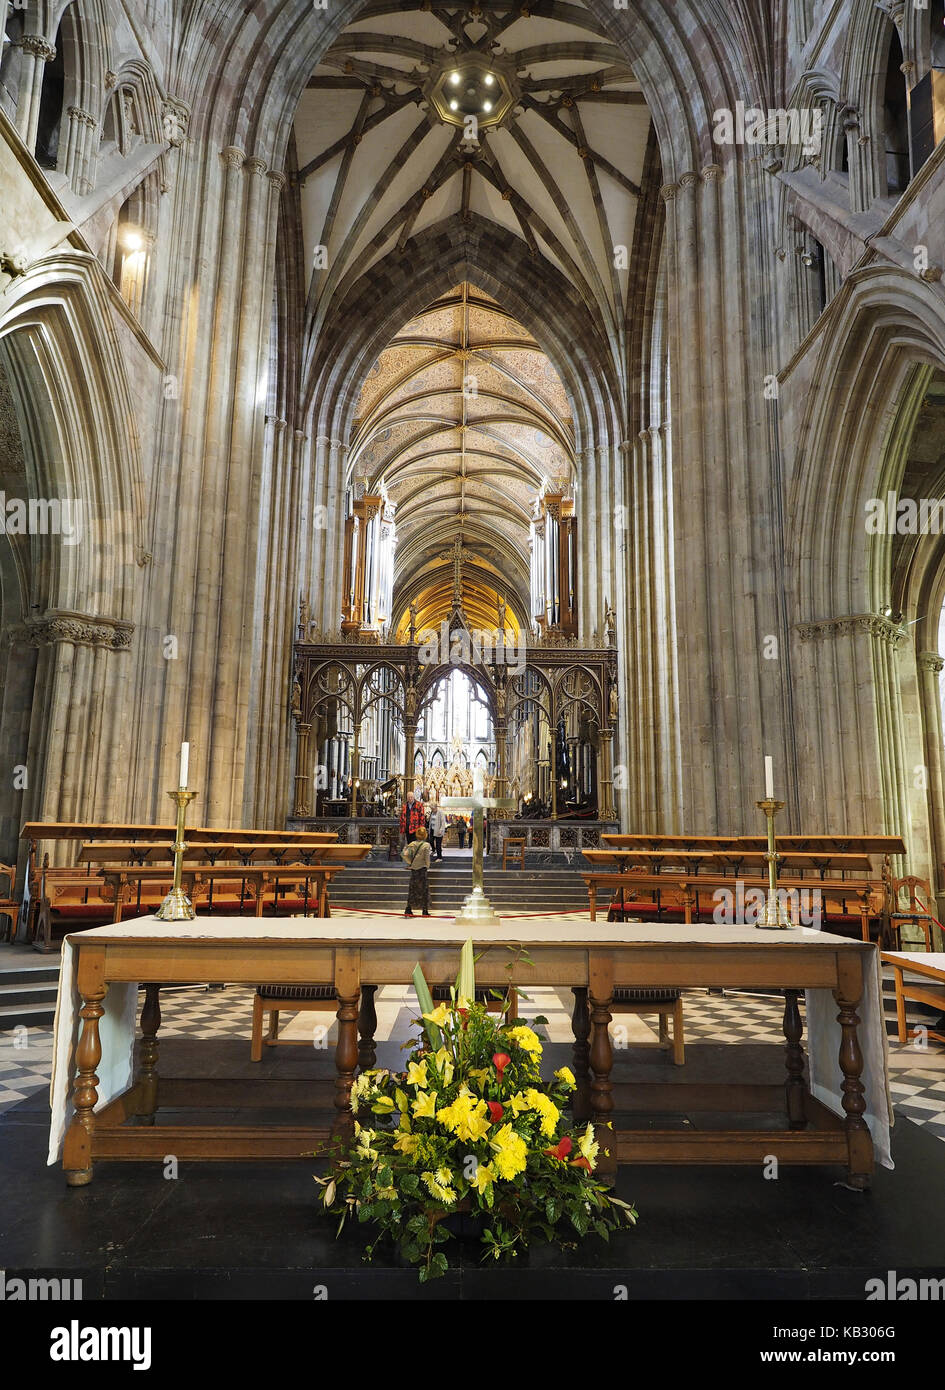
x: 411, y: 817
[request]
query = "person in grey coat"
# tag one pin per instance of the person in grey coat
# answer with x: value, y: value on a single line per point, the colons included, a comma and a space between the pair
x: 417, y: 858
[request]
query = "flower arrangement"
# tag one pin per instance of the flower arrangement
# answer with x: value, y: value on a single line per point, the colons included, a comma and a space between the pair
x: 469, y: 1127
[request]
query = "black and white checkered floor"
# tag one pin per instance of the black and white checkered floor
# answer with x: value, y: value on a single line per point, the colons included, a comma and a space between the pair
x: 917, y: 1075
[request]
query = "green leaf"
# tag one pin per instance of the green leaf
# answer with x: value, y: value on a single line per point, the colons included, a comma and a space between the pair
x: 425, y: 1000
x: 466, y: 979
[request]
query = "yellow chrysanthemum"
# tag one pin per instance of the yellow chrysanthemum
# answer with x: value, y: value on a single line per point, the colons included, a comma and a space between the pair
x: 589, y: 1146
x: 466, y: 1117
x: 526, y: 1039
x: 566, y: 1076
x: 438, y: 1185
x: 364, y: 1149
x: 417, y: 1075
x: 511, y: 1154
x: 483, y: 1178
x: 549, y: 1112
x: 424, y: 1107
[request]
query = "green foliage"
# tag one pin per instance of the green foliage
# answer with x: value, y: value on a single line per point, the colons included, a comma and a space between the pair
x: 469, y: 1128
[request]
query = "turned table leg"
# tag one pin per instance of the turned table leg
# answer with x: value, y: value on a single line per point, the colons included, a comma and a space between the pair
x: 859, y: 1140
x: 348, y: 991
x: 601, y: 992
x: 77, y: 1151
x: 367, y: 1027
x: 581, y: 1052
x: 794, y: 1088
x: 150, y: 1047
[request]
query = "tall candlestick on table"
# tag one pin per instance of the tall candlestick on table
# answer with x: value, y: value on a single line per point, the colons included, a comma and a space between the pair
x: 774, y: 917
x: 177, y: 907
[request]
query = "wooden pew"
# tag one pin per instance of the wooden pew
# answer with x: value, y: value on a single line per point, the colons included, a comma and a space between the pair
x: 77, y: 893
x: 680, y: 892
x: 829, y: 844
x: 145, y: 888
x: 733, y: 860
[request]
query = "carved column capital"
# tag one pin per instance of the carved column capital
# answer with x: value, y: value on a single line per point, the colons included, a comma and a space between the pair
x: 232, y: 157
x: 82, y: 629
x: 872, y: 623
x: 254, y: 165
x: 931, y: 661
x: 38, y: 46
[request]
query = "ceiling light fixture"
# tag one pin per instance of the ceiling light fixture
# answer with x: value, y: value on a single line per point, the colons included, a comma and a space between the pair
x: 489, y: 79
x: 487, y: 106
x: 454, y: 105
x: 455, y: 79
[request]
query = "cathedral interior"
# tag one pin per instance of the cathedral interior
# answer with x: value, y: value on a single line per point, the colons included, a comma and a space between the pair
x: 538, y: 400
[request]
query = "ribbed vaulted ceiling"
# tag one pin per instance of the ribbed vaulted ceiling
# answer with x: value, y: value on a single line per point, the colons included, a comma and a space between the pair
x: 556, y: 159
x: 462, y: 420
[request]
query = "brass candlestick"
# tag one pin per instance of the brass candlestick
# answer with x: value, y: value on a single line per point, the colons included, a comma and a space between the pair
x: 177, y: 907
x: 774, y: 917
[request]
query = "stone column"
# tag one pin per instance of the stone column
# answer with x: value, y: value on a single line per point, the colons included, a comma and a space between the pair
x: 501, y: 772
x: 36, y: 51
x: 302, y: 803
x: 235, y: 676
x: 605, y: 779
x: 77, y: 158
x: 931, y: 666
x: 410, y: 734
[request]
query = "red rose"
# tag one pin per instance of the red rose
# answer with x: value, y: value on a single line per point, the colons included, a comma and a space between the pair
x: 561, y: 1149
x: 496, y: 1110
x: 500, y: 1061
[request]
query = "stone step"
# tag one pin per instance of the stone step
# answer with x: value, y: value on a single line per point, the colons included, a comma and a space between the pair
x: 28, y: 993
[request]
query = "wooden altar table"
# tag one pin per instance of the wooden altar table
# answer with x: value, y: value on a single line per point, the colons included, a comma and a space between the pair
x: 348, y: 952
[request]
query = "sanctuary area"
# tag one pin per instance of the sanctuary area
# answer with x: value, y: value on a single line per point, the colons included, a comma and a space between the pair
x: 472, y: 644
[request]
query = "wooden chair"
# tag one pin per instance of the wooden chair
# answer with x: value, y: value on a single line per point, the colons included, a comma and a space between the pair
x: 667, y: 1004
x: 513, y: 848
x: 916, y: 912
x: 273, y: 999
x: 9, y: 907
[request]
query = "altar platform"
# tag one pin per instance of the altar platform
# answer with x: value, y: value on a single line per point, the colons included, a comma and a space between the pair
x: 252, y: 1230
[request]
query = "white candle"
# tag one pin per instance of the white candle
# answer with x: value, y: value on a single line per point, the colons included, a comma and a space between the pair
x: 769, y: 779
x: 184, y: 763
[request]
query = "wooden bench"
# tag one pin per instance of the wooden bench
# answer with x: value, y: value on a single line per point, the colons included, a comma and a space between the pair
x: 70, y: 894
x: 680, y: 892
x: 145, y: 887
x: 732, y: 861
x: 828, y: 844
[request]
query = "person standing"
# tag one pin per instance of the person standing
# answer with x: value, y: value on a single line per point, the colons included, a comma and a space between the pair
x: 417, y: 858
x: 438, y: 829
x: 461, y: 831
x: 411, y: 817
